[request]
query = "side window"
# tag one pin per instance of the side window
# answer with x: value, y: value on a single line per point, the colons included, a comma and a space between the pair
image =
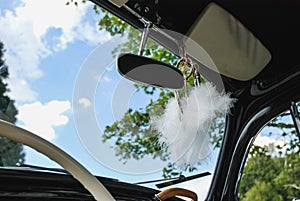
x: 272, y: 170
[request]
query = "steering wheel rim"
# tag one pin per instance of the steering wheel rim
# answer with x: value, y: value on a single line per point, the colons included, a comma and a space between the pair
x: 171, y: 192
x: 79, y: 172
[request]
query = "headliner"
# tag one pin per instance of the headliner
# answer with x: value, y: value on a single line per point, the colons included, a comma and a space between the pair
x: 275, y: 23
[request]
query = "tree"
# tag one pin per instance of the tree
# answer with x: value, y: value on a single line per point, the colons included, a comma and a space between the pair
x: 11, y: 152
x: 260, y: 167
x: 288, y: 180
x: 268, y: 177
x: 262, y: 191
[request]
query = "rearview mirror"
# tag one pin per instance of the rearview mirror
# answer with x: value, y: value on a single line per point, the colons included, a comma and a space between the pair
x: 149, y: 71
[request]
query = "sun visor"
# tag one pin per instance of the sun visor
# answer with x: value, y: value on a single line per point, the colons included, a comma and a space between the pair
x: 118, y: 3
x: 225, y: 45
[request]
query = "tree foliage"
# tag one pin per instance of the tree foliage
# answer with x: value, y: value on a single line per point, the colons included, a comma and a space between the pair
x: 269, y: 177
x: 11, y: 152
x: 262, y: 191
x: 133, y: 136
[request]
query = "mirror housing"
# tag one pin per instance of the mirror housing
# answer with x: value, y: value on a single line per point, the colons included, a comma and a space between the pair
x: 149, y: 71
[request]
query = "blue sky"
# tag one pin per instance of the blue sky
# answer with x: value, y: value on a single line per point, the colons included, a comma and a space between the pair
x: 47, y: 45
x: 44, y: 52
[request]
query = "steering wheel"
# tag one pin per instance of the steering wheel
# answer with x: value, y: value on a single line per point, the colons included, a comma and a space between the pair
x: 89, y: 181
x: 171, y: 192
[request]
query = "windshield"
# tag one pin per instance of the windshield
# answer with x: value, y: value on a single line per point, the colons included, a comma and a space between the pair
x: 63, y: 85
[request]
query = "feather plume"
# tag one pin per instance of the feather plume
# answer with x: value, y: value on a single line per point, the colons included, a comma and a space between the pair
x: 186, y: 133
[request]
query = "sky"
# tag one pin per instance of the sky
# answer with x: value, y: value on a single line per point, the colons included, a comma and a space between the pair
x: 49, y: 46
x: 55, y: 57
x: 46, y: 43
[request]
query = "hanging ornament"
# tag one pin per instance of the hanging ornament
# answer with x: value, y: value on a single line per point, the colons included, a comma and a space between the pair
x: 185, y: 123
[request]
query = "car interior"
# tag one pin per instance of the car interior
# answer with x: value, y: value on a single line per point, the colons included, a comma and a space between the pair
x: 248, y: 49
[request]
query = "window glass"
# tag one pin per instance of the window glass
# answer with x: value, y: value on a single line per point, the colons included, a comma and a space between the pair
x: 272, y: 170
x: 49, y: 48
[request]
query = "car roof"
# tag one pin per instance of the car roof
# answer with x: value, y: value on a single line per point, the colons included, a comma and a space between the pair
x: 275, y: 23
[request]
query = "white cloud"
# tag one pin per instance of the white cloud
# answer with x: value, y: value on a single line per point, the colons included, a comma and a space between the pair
x: 26, y: 33
x: 266, y: 141
x: 21, y: 90
x: 85, y: 102
x: 271, y: 143
x: 107, y: 79
x: 41, y: 118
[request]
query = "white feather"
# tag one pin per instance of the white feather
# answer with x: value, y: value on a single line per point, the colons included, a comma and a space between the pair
x: 186, y: 134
